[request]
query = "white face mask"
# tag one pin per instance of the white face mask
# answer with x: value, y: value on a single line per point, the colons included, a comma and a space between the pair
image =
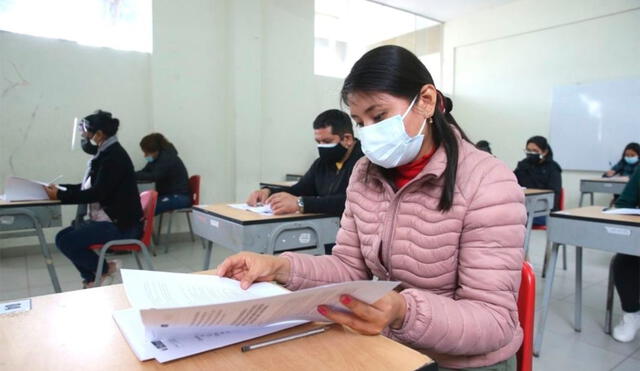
x: 387, y: 143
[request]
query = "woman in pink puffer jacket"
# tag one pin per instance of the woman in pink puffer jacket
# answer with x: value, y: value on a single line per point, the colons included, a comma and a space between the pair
x: 425, y: 208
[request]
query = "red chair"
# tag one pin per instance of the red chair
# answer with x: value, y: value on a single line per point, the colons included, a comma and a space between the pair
x: 526, y: 314
x: 548, y: 248
x: 194, y: 189
x: 148, y: 199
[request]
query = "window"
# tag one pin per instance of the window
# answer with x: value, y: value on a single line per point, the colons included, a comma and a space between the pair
x: 118, y: 24
x: 346, y: 29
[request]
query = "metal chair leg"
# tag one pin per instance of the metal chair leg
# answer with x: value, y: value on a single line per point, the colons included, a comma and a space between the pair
x: 168, y: 235
x: 608, y: 317
x: 158, y: 233
x: 193, y: 239
x: 135, y: 254
x: 101, y: 260
x: 547, y: 251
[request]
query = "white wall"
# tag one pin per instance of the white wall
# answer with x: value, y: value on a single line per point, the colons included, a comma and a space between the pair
x: 44, y: 84
x: 502, y: 64
x: 230, y: 83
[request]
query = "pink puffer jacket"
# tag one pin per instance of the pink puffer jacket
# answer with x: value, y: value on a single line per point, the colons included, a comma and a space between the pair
x: 460, y: 270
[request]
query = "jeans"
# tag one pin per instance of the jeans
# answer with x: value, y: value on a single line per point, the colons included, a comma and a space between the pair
x: 626, y: 276
x: 74, y: 243
x: 540, y: 220
x: 172, y: 202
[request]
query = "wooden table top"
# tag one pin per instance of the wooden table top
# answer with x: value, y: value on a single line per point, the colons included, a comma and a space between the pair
x: 74, y: 330
x: 535, y: 191
x: 285, y: 183
x: 594, y: 213
x: 613, y: 179
x: 4, y: 203
x: 227, y: 212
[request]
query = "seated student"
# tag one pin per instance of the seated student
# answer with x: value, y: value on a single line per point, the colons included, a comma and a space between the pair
x: 110, y: 191
x: 628, y: 161
x: 626, y: 271
x: 323, y: 187
x: 483, y: 145
x: 538, y: 170
x: 451, y: 233
x: 166, y: 169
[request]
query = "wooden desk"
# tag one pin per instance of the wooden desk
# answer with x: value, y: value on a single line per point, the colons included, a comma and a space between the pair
x: 613, y: 185
x: 246, y: 230
x: 538, y: 202
x: 75, y: 331
x: 27, y: 219
x: 278, y: 185
x: 585, y: 227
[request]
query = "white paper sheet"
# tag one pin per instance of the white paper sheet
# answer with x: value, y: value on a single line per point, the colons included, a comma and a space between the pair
x: 622, y: 211
x: 196, y: 313
x: 262, y: 210
x: 298, y: 305
x: 168, y: 349
x: 150, y: 289
x: 21, y: 189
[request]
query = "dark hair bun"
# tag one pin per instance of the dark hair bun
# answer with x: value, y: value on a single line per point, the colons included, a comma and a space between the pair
x: 103, y: 120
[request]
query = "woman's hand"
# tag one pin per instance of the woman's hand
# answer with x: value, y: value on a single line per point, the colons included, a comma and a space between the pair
x: 369, y: 319
x: 52, y: 191
x: 249, y: 267
x: 610, y: 173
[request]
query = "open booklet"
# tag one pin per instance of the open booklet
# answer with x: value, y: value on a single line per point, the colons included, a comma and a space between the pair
x: 258, y: 209
x: 622, y: 211
x: 175, y: 315
x: 21, y: 189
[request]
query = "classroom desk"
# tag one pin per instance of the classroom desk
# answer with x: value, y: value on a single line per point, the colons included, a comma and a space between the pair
x: 27, y: 219
x: 278, y: 185
x: 585, y: 227
x: 538, y: 202
x: 246, y: 230
x: 613, y: 185
x: 75, y: 331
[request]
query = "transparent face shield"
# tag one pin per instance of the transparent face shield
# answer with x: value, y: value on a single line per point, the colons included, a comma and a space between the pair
x: 80, y: 136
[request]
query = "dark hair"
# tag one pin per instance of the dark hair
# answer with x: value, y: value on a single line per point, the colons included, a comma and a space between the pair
x: 154, y: 142
x: 339, y: 122
x: 103, y: 120
x: 395, y: 70
x: 542, y: 143
x: 635, y: 147
x: 483, y: 145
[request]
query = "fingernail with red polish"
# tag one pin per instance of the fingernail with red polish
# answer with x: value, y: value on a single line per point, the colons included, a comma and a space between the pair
x: 345, y: 299
x: 322, y: 310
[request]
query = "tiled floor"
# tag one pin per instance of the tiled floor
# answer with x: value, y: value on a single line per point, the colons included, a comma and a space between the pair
x: 23, y: 274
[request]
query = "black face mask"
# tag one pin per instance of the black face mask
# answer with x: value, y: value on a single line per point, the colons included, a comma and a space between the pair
x: 87, y: 147
x: 533, y: 158
x: 333, y: 154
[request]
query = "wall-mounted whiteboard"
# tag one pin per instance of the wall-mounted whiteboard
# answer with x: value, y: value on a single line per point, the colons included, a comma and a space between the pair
x: 591, y: 123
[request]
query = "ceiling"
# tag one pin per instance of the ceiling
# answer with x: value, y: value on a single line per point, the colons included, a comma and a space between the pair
x: 442, y: 10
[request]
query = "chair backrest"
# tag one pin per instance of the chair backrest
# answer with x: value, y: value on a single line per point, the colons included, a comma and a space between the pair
x: 148, y: 199
x: 561, y: 199
x: 526, y: 314
x: 194, y: 188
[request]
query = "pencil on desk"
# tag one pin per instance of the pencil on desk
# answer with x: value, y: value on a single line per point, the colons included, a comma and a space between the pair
x: 318, y: 330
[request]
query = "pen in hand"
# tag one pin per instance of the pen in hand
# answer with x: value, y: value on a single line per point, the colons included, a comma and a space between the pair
x: 317, y: 330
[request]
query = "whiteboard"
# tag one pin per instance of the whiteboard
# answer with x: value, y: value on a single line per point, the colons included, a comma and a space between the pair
x: 591, y: 123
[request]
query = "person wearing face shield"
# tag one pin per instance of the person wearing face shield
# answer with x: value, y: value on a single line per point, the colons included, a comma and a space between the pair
x: 425, y: 208
x: 323, y: 187
x: 539, y: 170
x: 110, y: 194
